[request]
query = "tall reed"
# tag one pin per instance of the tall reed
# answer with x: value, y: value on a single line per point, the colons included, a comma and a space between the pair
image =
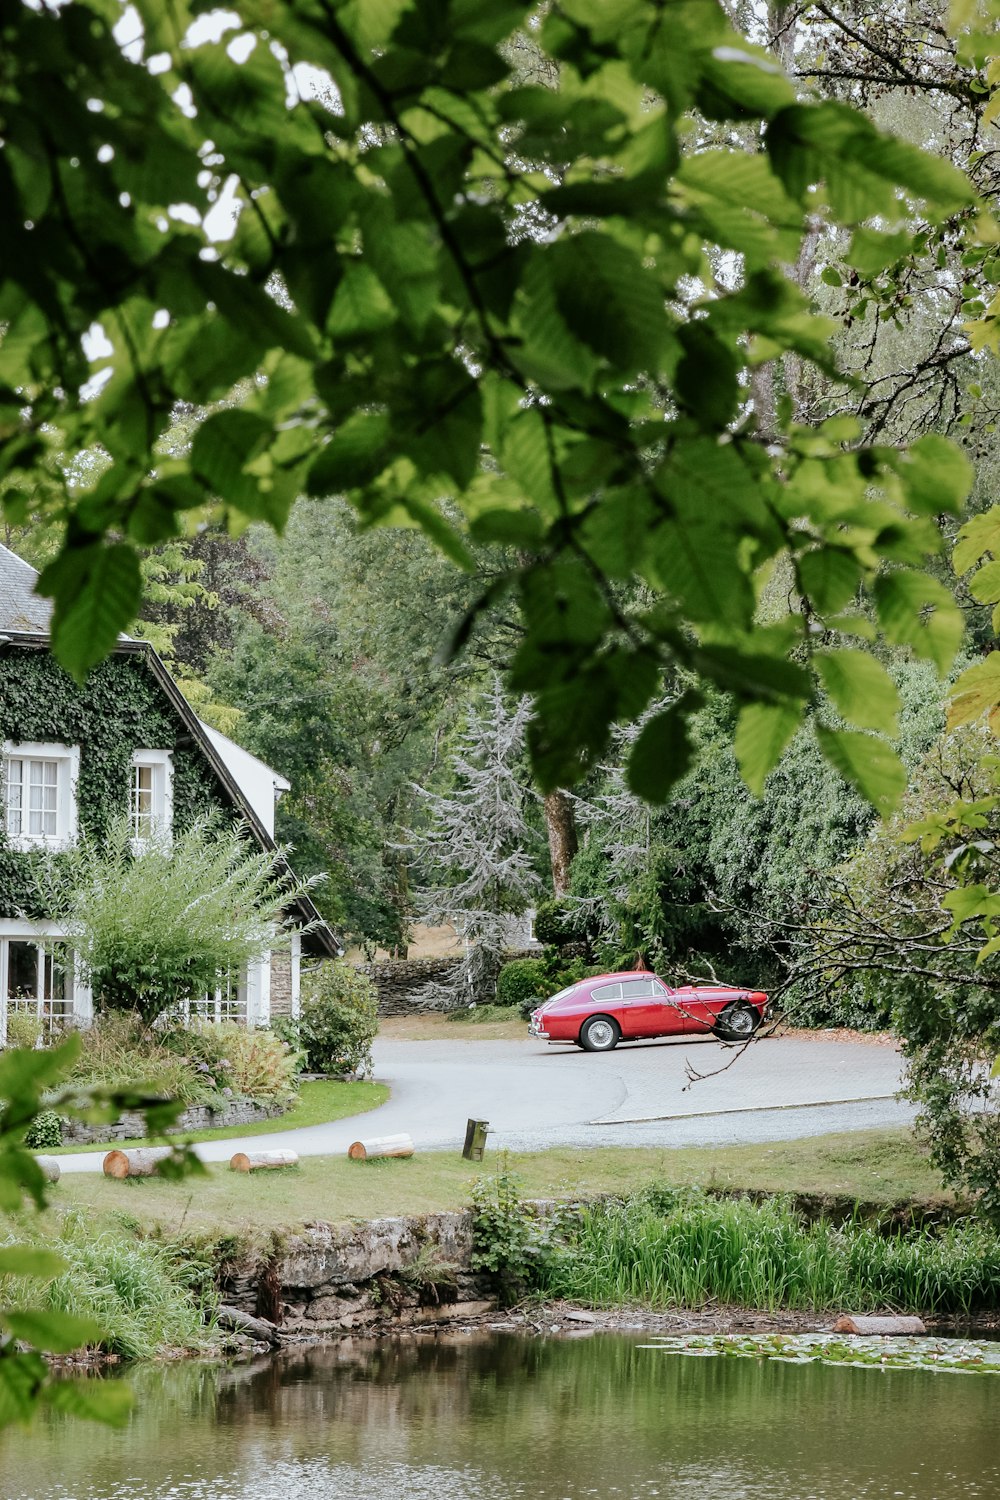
x: 698, y: 1249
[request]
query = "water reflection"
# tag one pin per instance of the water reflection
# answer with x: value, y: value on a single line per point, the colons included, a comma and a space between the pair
x: 464, y: 1418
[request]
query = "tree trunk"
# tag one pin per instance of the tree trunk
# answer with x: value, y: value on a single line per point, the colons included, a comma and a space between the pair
x: 380, y: 1145
x: 261, y: 1161
x: 144, y: 1162
x: 560, y: 820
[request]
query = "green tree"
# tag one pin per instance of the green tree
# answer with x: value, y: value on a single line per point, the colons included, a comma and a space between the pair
x: 169, y: 921
x: 453, y: 288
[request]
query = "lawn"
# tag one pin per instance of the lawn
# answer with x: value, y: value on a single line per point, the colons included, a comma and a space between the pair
x: 882, y: 1167
x: 318, y: 1103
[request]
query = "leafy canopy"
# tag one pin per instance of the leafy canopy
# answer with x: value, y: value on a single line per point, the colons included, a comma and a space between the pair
x: 450, y: 281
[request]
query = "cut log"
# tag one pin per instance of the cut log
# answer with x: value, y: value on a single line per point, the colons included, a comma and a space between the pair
x: 241, y: 1322
x: 143, y: 1162
x: 380, y: 1145
x: 262, y: 1161
x: 851, y: 1323
x: 51, y: 1169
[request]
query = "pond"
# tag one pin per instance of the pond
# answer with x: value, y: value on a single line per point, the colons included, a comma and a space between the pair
x: 498, y: 1416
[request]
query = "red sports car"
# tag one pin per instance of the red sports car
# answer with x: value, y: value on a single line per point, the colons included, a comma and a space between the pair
x: 599, y: 1013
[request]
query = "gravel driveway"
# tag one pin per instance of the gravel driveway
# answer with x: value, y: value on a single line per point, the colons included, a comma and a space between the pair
x: 642, y: 1094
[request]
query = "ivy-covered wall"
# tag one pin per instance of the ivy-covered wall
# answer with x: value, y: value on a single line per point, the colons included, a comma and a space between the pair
x: 119, y: 709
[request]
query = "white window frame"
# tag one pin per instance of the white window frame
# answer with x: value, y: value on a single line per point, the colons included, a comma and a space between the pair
x: 78, y: 1005
x: 67, y: 761
x: 161, y: 765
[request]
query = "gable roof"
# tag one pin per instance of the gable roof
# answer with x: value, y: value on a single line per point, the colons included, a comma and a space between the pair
x: 24, y: 620
x: 20, y: 607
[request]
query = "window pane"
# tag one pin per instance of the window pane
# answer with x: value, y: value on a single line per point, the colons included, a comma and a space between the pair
x: 22, y: 970
x: 635, y: 989
x: 13, y: 774
x: 608, y: 992
x: 142, y: 800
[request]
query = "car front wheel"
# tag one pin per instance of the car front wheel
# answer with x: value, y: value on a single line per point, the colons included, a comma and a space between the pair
x: 737, y: 1022
x: 599, y: 1034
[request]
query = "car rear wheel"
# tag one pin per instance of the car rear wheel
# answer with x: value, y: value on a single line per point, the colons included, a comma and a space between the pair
x: 737, y: 1022
x: 600, y: 1034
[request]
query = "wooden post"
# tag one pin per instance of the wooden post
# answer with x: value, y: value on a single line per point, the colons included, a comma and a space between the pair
x: 380, y: 1145
x: 144, y: 1162
x: 476, y: 1132
x: 50, y: 1168
x: 262, y: 1161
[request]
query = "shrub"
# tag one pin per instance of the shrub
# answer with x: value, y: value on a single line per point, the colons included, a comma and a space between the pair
x: 520, y: 980
x: 339, y: 1019
x: 23, y: 1029
x: 118, y: 1052
x: 559, y: 922
x: 44, y: 1132
x: 288, y: 1030
x: 233, y: 1060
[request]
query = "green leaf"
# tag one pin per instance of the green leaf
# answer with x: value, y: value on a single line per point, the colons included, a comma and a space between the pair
x: 108, y: 1401
x: 361, y: 306
x: 871, y: 251
x: 980, y: 534
x: 356, y: 454
x: 918, y: 611
x: 663, y: 752
x: 54, y: 1332
x: 222, y: 447
x: 861, y: 688
x: 706, y: 380
x: 976, y: 692
x: 936, y: 474
x: 30, y: 1260
x: 829, y: 577
x: 22, y: 1377
x: 97, y: 591
x: 869, y: 764
x: 762, y: 732
x: 610, y: 301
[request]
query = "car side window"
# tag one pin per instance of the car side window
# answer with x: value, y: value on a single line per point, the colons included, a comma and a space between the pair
x: 659, y: 989
x: 636, y: 989
x: 607, y: 992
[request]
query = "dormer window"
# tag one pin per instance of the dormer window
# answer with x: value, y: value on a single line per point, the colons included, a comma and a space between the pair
x: 151, y: 794
x: 39, y: 794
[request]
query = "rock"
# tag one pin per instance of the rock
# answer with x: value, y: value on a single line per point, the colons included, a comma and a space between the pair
x: 854, y: 1323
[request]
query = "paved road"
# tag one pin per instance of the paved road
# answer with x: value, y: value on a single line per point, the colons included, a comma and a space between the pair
x: 643, y: 1094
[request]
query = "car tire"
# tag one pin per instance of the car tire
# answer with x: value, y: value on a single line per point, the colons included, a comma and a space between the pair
x: 737, y: 1023
x: 600, y: 1034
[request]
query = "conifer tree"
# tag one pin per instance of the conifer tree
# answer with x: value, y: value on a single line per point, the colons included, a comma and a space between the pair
x: 477, y: 848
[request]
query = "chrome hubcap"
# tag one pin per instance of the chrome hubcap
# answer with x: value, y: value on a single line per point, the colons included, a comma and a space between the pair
x: 741, y: 1021
x: 601, y: 1033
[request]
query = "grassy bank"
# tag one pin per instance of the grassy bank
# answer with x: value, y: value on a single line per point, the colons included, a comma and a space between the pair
x: 682, y: 1249
x: 884, y: 1168
x: 318, y: 1103
x: 148, y: 1297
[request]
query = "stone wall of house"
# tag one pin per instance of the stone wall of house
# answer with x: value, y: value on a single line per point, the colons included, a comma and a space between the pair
x: 131, y: 1127
x: 281, y: 984
x: 399, y: 981
x: 330, y: 1278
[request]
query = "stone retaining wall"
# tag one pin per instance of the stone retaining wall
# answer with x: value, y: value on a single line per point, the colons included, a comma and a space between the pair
x: 131, y: 1126
x: 399, y: 980
x: 334, y: 1278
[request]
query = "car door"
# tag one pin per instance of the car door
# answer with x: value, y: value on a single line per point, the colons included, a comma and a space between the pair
x: 698, y: 1007
x: 667, y: 1016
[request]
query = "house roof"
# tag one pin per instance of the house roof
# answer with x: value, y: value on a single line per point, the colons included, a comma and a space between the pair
x: 20, y: 607
x: 19, y: 604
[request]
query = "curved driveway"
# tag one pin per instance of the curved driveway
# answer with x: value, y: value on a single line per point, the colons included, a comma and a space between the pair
x: 643, y: 1094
